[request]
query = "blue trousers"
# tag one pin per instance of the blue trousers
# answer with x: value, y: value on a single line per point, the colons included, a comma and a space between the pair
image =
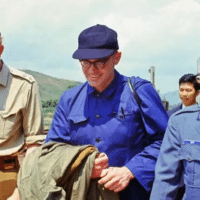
x: 134, y: 191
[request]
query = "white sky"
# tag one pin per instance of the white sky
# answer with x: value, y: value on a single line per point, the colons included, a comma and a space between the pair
x: 41, y: 35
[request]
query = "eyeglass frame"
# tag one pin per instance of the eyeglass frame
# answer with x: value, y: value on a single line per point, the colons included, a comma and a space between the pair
x: 100, y: 60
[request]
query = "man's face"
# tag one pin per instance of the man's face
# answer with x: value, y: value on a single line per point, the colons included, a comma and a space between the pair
x: 187, y: 93
x: 101, y: 78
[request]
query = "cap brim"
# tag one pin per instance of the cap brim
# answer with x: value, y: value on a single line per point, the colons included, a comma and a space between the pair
x: 92, y: 53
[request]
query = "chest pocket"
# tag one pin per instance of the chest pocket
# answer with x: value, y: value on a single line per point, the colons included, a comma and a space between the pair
x: 8, y: 120
x: 190, y: 154
x: 77, y: 119
x: 78, y: 129
x: 127, y: 125
x: 11, y: 122
x: 123, y: 116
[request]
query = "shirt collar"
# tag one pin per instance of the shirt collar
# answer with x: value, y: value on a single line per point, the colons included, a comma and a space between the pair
x: 4, y: 75
x: 108, y: 92
x: 183, y: 106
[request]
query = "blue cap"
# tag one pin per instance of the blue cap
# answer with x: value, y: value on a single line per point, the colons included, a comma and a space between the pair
x: 97, y: 41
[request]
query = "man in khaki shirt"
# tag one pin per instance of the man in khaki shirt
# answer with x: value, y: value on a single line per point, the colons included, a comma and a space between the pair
x: 21, y: 123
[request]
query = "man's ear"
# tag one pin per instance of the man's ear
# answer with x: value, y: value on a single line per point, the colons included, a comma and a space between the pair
x: 117, y: 57
x: 1, y: 49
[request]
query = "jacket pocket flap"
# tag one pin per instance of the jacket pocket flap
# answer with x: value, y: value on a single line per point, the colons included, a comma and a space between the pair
x: 77, y: 118
x: 190, y: 150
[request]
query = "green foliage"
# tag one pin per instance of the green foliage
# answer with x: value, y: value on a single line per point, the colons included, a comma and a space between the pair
x: 50, y: 103
x: 51, y: 89
x: 48, y: 112
x: 48, y: 116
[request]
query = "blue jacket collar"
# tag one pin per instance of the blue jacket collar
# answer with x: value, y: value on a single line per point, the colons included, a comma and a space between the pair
x: 193, y: 108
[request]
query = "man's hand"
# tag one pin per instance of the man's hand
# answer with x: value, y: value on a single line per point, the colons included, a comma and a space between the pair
x: 116, y: 178
x: 100, y: 163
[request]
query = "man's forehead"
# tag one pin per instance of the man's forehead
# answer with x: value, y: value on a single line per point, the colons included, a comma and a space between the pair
x: 96, y: 59
x: 186, y: 85
x: 93, y: 60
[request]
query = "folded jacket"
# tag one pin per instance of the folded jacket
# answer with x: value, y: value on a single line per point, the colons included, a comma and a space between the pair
x: 61, y: 171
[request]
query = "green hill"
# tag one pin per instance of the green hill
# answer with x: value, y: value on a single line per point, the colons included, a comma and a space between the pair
x: 51, y: 88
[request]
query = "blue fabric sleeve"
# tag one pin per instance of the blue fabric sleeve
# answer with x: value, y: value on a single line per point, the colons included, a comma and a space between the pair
x: 168, y: 168
x: 59, y: 130
x: 155, y: 121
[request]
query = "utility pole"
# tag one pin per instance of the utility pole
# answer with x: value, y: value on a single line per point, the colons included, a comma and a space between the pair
x: 198, y: 65
x: 152, y: 75
x: 152, y: 79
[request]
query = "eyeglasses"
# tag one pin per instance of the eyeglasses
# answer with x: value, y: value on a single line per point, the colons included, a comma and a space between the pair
x: 98, y: 64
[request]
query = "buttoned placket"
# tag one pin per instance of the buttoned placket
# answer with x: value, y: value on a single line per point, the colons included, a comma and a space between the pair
x: 97, y: 116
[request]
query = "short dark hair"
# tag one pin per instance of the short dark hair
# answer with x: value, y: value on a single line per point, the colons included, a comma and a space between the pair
x: 191, y: 78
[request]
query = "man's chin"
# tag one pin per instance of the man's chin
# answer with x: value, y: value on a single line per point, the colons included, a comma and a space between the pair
x: 93, y: 83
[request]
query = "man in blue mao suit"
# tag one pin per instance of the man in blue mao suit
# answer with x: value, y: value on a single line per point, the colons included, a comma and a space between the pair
x: 188, y: 91
x: 187, y: 85
x: 179, y: 155
x: 104, y: 113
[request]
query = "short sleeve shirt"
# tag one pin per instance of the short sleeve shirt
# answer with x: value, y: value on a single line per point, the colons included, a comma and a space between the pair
x: 20, y: 111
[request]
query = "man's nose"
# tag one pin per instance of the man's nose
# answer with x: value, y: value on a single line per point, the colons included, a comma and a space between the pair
x: 93, y: 67
x: 184, y: 93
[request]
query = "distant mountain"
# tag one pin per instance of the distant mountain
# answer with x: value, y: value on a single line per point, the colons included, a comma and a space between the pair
x: 51, y: 88
x: 172, y: 98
